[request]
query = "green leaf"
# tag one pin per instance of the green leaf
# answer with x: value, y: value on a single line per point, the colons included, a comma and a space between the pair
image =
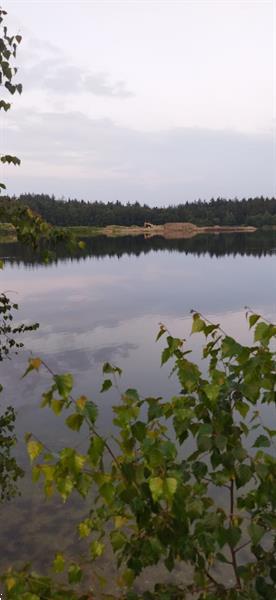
x: 204, y: 442
x: 264, y: 332
x: 107, y: 491
x: 108, y: 368
x: 256, y: 532
x: 74, y: 573
x: 64, y: 384
x: 260, y: 332
x: 107, y: 384
x: 233, y: 536
x: 166, y: 355
x: 253, y: 319
x: 155, y: 410
x: 75, y: 421
x: 220, y: 442
x: 6, y: 106
x: 96, y: 449
x: 161, y: 332
x: 198, y: 323
x: 131, y: 395
x: 96, y: 549
x: 261, y: 470
x: 8, y: 158
x: 194, y: 508
x: 91, y: 411
x: 244, y: 474
x: 199, y: 469
x: 139, y: 430
x: 212, y: 391
x: 242, y: 408
x: 205, y: 429
x: 262, y: 442
x: 170, y: 486
x: 118, y: 539
x: 230, y: 347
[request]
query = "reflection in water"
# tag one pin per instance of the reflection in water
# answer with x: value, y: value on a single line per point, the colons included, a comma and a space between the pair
x: 245, y: 244
x: 93, y: 310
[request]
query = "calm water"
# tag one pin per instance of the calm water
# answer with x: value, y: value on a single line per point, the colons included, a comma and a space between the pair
x: 105, y: 304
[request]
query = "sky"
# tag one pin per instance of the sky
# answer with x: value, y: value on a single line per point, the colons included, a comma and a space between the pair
x: 154, y: 101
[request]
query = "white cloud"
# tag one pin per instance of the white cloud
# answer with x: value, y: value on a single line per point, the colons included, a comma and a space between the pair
x: 52, y: 71
x: 71, y: 154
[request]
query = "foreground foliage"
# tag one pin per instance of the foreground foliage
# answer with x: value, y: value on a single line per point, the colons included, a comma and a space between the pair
x: 187, y: 480
x: 10, y: 343
x: 32, y: 230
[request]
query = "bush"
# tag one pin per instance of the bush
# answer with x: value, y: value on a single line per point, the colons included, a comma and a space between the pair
x: 190, y: 479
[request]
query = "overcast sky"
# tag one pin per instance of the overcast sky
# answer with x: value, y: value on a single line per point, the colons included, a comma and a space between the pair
x: 148, y: 100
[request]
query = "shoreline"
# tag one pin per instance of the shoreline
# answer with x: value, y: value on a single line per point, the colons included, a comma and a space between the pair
x: 168, y: 230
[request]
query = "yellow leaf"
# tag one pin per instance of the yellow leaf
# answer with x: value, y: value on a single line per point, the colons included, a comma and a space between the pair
x: 35, y: 363
x: 57, y: 406
x: 81, y: 402
x: 156, y: 487
x: 10, y: 583
x: 48, y: 472
x: 84, y: 529
x: 59, y: 563
x: 96, y: 549
x: 79, y: 461
x: 171, y: 485
x: 120, y: 521
x: 34, y: 448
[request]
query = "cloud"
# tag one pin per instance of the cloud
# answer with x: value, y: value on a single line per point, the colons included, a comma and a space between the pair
x: 69, y: 153
x: 98, y: 84
x: 56, y: 76
x: 55, y: 73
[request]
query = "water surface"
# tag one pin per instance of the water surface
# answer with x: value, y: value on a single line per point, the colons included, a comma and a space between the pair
x: 105, y: 304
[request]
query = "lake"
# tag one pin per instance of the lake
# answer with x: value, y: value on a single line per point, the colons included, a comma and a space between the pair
x: 105, y: 304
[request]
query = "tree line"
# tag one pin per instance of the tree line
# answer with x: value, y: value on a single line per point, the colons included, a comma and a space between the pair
x: 258, y: 211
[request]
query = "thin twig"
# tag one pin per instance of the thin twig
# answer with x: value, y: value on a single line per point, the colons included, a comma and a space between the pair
x: 231, y: 516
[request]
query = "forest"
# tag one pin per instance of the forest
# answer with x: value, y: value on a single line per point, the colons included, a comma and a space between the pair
x: 258, y: 211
